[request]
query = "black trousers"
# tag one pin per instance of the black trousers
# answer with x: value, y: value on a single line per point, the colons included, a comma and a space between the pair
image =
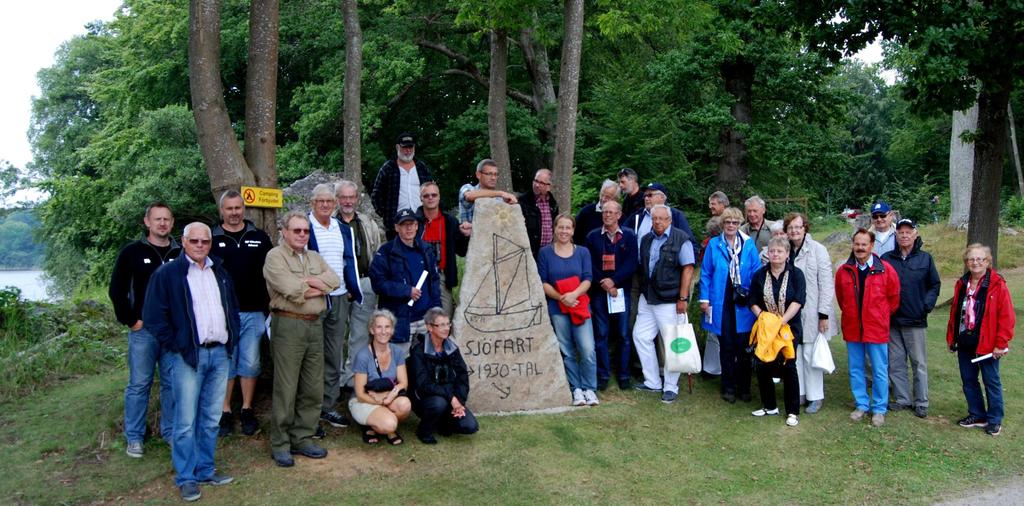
x: 736, y: 360
x: 435, y: 414
x: 790, y: 383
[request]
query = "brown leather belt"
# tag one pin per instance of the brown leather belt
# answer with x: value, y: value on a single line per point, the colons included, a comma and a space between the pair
x: 297, y: 316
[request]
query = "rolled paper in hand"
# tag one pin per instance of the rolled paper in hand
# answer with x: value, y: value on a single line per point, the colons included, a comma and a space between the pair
x: 419, y: 286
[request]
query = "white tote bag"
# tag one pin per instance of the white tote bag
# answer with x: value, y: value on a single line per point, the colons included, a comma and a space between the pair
x: 681, y: 353
x: 821, y: 355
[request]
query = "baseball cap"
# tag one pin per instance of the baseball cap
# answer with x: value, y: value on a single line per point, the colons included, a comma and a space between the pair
x: 880, y: 207
x: 404, y: 215
x: 656, y: 187
x: 406, y: 140
x: 906, y: 221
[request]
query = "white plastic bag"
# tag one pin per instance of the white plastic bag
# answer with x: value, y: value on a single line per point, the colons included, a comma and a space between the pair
x: 821, y: 355
x: 681, y: 353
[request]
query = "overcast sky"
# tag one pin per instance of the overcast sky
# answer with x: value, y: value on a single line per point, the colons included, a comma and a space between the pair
x: 30, y: 34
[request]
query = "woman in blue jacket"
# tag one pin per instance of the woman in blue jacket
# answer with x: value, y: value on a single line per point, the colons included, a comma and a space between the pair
x: 729, y: 263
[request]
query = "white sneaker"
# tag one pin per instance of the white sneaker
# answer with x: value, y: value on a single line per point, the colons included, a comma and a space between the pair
x: 577, y: 398
x: 792, y: 421
x: 591, y: 398
x: 765, y: 412
x: 134, y: 449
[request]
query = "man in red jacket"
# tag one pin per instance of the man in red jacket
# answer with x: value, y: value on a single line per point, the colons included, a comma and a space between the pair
x: 868, y: 291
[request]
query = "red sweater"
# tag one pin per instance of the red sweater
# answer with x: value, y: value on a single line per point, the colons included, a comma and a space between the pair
x: 997, y: 320
x: 881, y: 300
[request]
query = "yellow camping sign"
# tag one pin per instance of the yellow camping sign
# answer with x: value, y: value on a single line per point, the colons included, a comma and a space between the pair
x: 256, y: 196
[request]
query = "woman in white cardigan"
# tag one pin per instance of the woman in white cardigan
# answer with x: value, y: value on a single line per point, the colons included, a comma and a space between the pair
x: 818, y: 315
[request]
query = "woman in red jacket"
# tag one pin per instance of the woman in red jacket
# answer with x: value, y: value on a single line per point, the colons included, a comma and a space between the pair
x: 981, y: 321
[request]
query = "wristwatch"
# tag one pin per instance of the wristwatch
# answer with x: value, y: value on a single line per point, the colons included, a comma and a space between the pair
x: 684, y: 299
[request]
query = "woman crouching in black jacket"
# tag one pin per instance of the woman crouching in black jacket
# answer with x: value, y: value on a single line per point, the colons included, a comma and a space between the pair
x: 440, y: 382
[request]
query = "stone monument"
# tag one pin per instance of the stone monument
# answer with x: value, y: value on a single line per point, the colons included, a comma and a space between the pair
x: 502, y: 324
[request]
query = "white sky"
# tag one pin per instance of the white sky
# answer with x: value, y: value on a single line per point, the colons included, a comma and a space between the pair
x: 31, y: 32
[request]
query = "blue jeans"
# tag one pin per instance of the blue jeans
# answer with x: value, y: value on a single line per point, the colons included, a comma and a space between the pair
x: 604, y: 325
x: 989, y: 369
x: 577, y: 345
x: 144, y: 352
x: 879, y: 355
x: 199, y: 394
x: 245, y: 358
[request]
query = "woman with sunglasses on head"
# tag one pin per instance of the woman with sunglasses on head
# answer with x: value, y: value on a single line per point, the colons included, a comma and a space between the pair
x: 379, y: 403
x: 730, y: 261
x: 981, y: 324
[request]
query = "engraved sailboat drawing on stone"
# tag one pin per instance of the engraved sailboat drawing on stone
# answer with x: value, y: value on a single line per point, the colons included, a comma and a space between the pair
x: 502, y: 301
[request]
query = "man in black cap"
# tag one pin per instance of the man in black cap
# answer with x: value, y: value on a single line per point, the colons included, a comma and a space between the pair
x: 640, y: 222
x: 398, y: 182
x: 919, y: 290
x: 395, y: 274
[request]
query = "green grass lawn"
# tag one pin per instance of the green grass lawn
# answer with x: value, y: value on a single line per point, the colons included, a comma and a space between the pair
x: 64, y: 445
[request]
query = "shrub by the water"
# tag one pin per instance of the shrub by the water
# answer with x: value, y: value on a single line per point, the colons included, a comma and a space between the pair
x: 41, y: 342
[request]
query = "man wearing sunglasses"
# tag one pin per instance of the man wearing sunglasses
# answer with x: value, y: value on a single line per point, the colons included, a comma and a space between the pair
x: 881, y: 225
x: 297, y: 281
x: 440, y: 231
x: 192, y: 310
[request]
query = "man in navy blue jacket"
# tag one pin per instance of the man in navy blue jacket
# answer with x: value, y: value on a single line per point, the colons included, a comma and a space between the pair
x: 613, y: 252
x: 192, y: 310
x: 394, y: 273
x: 919, y: 290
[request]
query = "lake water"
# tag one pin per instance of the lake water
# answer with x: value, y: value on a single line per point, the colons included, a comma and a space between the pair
x: 31, y: 283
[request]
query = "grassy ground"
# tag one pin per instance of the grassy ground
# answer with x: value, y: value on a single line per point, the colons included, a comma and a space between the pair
x: 64, y: 445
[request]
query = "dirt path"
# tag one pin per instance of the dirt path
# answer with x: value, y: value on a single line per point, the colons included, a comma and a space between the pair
x: 1011, y: 492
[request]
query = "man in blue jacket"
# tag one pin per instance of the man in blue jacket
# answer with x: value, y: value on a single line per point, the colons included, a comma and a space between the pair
x: 613, y: 253
x: 919, y: 290
x: 336, y: 244
x: 394, y: 273
x: 192, y: 310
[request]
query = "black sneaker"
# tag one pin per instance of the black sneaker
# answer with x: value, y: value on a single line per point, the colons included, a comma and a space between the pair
x: 993, y: 429
x: 320, y: 432
x: 227, y: 424
x: 250, y: 425
x: 334, y: 418
x: 971, y: 422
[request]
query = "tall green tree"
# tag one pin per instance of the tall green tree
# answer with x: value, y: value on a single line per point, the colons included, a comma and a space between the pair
x: 957, y: 52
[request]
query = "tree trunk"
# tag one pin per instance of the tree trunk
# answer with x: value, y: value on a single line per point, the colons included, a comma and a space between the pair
x: 732, y: 168
x: 961, y: 166
x: 497, y: 102
x: 568, y: 102
x: 544, y: 99
x: 261, y: 104
x: 352, y: 100
x: 1014, y: 151
x: 989, y: 150
x: 225, y: 164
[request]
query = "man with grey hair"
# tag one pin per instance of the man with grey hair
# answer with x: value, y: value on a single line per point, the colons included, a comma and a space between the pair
x: 632, y: 194
x: 717, y: 203
x: 486, y: 187
x: 191, y: 309
x: 367, y: 238
x: 398, y: 181
x: 757, y: 227
x: 335, y: 243
x: 243, y: 248
x: 299, y: 282
x: 590, y: 216
x: 539, y: 211
x: 666, y: 272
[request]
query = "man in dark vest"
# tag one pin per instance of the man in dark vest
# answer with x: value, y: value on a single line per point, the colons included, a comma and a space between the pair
x: 666, y: 271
